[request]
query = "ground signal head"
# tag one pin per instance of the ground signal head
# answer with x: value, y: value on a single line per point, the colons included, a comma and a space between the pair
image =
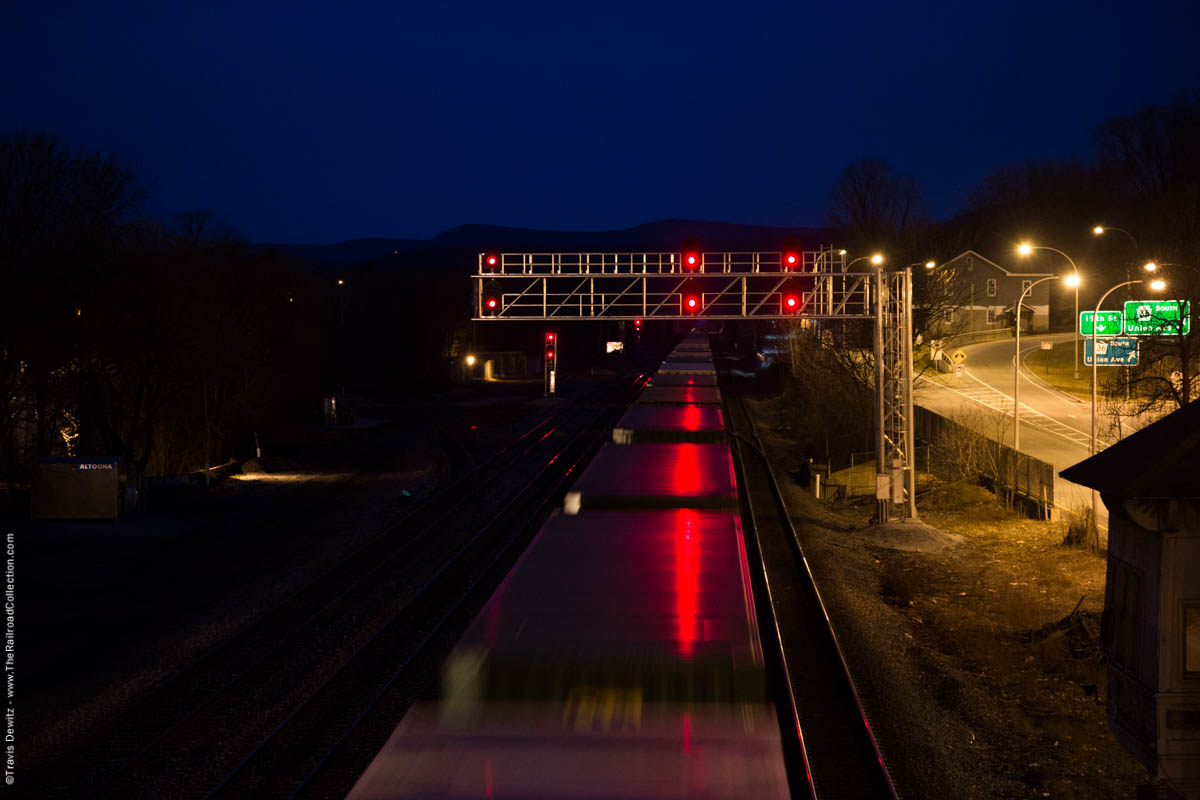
x: 791, y: 261
x: 490, y: 261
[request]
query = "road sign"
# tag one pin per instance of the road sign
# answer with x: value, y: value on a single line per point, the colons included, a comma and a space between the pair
x: 1121, y: 352
x: 1156, y: 317
x: 1110, y: 323
x: 959, y: 369
x: 1047, y: 345
x: 959, y: 356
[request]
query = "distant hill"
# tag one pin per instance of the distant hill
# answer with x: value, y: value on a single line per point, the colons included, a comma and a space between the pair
x: 664, y: 236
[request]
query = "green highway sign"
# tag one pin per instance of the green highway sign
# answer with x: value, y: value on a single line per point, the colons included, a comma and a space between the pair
x: 1156, y: 317
x: 1110, y: 323
x: 1122, y: 352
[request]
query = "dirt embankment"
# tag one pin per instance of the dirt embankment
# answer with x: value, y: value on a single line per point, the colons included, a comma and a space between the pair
x: 977, y: 658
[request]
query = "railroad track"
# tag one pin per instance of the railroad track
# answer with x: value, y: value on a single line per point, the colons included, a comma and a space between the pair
x: 240, y: 700
x: 827, y: 732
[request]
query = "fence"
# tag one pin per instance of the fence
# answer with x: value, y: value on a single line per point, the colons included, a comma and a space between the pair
x: 957, y: 451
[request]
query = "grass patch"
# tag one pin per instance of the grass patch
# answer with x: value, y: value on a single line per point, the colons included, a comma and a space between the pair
x: 1057, y: 368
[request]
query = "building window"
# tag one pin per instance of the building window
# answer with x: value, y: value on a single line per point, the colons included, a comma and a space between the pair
x: 970, y: 262
x: 991, y: 316
x: 1025, y: 285
x: 1191, y: 644
x: 991, y: 287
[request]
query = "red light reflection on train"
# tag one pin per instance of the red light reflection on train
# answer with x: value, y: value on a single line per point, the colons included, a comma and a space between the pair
x: 687, y: 580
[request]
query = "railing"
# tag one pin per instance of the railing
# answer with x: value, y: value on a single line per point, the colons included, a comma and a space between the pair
x: 654, y: 263
x: 717, y: 296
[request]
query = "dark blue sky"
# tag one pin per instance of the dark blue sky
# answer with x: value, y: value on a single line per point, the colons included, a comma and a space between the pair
x: 313, y: 123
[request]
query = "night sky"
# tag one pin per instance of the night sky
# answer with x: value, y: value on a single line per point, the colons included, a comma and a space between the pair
x: 320, y: 123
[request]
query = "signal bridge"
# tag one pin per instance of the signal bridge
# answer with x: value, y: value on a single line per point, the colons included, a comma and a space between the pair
x: 692, y: 285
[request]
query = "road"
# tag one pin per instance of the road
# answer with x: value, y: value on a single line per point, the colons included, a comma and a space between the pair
x: 1055, y: 427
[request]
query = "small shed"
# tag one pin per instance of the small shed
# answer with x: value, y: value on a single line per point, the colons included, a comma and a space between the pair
x: 1150, y: 483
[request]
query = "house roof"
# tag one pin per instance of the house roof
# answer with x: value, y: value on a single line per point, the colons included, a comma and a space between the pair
x: 1008, y: 272
x: 1160, y: 461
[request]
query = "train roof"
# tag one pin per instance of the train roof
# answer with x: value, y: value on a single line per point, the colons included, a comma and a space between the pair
x: 656, y: 476
x: 679, y: 395
x: 649, y: 423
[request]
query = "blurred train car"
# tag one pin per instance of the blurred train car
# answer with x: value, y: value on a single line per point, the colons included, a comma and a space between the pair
x: 620, y: 657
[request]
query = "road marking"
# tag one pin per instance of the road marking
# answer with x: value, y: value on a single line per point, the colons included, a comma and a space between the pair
x: 1001, y: 403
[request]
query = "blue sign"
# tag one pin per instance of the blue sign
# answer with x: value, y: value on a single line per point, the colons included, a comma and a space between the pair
x: 1119, y: 352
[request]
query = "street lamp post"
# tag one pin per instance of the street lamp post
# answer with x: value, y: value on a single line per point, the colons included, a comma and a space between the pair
x: 1025, y: 249
x: 1071, y: 280
x: 1157, y: 286
x: 1100, y: 230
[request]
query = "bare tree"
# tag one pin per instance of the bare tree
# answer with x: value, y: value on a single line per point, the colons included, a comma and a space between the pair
x: 874, y: 203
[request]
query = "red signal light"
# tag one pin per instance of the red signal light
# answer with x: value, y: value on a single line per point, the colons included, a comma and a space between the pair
x: 491, y: 259
x: 691, y: 257
x: 491, y: 296
x: 691, y: 301
x: 637, y: 323
x: 549, y: 354
x: 791, y: 296
x: 549, y: 337
x: 790, y: 260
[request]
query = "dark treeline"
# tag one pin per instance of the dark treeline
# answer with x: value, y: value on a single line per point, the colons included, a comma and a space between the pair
x: 164, y: 345
x: 171, y: 345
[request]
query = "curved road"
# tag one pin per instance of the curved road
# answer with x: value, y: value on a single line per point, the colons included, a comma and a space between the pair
x: 1055, y: 427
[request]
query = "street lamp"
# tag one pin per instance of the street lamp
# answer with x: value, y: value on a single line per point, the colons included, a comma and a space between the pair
x: 1071, y: 280
x: 1100, y: 230
x: 875, y: 260
x: 1025, y: 249
x: 1157, y: 285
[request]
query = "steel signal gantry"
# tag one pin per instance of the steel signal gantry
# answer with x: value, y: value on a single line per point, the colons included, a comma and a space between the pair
x: 744, y: 285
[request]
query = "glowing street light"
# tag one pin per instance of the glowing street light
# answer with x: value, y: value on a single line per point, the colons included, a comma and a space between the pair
x: 875, y: 260
x: 470, y: 361
x: 1100, y: 230
x: 1025, y: 248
